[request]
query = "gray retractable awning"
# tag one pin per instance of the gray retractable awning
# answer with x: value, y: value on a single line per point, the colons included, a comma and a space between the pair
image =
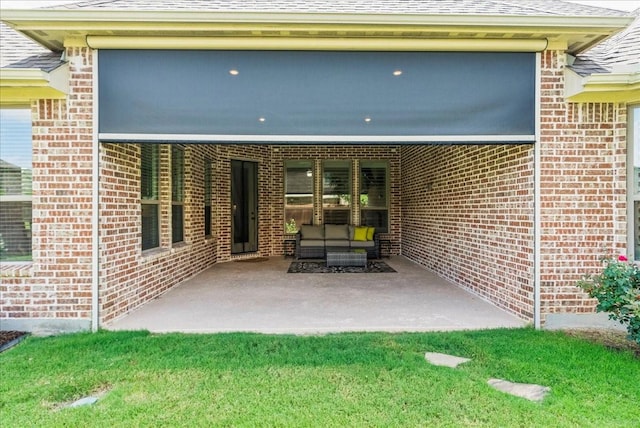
x: 294, y: 96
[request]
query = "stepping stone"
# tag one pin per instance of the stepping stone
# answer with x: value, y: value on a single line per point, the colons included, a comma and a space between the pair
x: 529, y: 391
x: 444, y: 360
x: 86, y: 401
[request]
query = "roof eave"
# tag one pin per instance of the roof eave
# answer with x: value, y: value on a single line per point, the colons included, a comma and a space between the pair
x: 94, y: 16
x: 39, y: 24
x: 621, y: 87
x: 22, y: 85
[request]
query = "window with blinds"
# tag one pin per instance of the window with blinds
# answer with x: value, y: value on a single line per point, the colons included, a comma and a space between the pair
x: 374, y: 205
x: 298, y: 198
x: 177, y: 194
x: 208, y: 196
x: 150, y: 195
x: 336, y: 192
x: 15, y: 184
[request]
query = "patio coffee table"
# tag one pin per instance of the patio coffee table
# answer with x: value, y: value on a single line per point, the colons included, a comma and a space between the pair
x: 347, y: 258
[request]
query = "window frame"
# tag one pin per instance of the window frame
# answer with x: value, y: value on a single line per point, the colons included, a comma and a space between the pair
x: 154, y: 200
x: 633, y: 182
x: 208, y: 198
x: 24, y: 199
x: 328, y: 164
x: 374, y: 164
x: 177, y: 193
x: 292, y: 228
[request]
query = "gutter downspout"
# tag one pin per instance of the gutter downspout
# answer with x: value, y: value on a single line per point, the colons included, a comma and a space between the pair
x: 537, y: 232
x: 95, y: 205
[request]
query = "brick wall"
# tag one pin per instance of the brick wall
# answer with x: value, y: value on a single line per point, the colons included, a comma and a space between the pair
x: 583, y: 189
x: 56, y: 290
x: 467, y: 214
x: 128, y: 276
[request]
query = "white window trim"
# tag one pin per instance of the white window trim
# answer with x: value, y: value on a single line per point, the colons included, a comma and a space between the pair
x: 633, y: 147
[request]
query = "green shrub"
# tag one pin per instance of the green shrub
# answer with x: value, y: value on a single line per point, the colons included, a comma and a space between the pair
x: 617, y: 289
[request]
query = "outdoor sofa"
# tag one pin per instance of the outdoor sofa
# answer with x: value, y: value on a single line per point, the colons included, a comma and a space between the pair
x: 314, y: 241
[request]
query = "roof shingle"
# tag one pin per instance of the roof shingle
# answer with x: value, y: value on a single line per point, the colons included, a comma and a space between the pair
x: 15, y: 46
x: 621, y: 52
x: 444, y: 7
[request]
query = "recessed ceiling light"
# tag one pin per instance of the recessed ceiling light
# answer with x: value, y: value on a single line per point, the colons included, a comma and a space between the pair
x: 397, y: 72
x: 261, y: 119
x: 367, y: 119
x: 234, y: 72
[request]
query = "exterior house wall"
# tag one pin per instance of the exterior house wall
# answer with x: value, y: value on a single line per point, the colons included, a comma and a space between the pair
x: 54, y: 291
x: 583, y: 189
x: 467, y: 214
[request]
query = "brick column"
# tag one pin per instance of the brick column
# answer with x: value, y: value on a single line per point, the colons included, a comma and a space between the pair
x: 583, y: 189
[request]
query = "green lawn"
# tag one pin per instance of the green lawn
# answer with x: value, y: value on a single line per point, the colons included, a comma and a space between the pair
x: 359, y: 380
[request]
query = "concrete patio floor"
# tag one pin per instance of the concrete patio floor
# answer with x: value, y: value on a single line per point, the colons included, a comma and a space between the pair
x: 262, y: 297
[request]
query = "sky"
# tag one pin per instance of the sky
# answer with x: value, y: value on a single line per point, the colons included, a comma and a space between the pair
x: 627, y: 5
x: 15, y: 136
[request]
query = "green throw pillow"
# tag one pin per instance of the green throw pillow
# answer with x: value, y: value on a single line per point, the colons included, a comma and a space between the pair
x: 360, y: 234
x: 370, y: 232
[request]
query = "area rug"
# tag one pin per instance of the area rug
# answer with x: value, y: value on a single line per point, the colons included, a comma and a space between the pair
x: 320, y: 266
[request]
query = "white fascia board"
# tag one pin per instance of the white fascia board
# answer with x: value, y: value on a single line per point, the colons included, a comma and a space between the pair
x: 21, y: 85
x: 21, y: 18
x: 614, y: 78
x: 57, y: 79
x: 37, y: 76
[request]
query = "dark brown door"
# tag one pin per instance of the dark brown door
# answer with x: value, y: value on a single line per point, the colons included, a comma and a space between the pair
x: 244, y: 207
